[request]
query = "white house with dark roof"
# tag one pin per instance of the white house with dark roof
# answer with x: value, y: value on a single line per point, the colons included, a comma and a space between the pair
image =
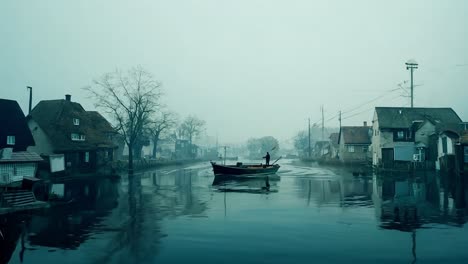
x: 403, y: 134
x: 15, y: 162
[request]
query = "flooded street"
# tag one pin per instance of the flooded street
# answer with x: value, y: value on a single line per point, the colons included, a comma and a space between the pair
x: 309, y: 214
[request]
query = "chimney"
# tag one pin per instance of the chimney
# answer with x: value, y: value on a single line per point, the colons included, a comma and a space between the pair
x: 68, y: 97
x: 30, y: 98
x: 365, y: 123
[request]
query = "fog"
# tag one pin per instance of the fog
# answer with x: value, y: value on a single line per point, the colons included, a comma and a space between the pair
x: 248, y: 68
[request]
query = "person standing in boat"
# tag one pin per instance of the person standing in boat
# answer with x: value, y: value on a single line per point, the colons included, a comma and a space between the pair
x: 267, y: 158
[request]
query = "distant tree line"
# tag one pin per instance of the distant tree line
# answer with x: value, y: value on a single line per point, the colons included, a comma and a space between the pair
x: 258, y: 147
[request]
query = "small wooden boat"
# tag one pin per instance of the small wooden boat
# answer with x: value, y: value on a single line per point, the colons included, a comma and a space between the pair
x: 242, y: 169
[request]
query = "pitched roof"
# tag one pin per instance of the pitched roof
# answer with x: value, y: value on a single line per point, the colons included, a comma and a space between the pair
x: 55, y: 117
x: 355, y: 135
x: 22, y: 156
x: 403, y: 117
x: 13, y: 123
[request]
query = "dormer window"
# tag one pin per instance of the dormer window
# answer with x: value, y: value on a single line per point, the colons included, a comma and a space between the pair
x: 10, y: 140
x: 77, y: 137
x: 76, y: 121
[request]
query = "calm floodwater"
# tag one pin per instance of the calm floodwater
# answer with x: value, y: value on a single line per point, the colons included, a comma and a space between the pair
x: 311, y: 214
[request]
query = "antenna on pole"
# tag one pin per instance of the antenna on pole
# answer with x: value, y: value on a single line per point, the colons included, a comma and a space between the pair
x: 411, y: 65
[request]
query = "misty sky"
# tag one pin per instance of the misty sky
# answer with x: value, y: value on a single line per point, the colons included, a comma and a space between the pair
x: 249, y: 68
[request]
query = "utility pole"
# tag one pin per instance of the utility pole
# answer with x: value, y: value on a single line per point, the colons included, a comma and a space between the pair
x: 309, y: 137
x: 339, y: 118
x: 323, y: 125
x: 30, y: 98
x: 411, y: 65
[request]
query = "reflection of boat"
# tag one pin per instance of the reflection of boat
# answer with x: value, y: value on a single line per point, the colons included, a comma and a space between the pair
x: 249, y: 184
x: 241, y: 169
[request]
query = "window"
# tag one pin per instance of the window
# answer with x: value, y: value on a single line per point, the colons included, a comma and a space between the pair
x: 365, y: 149
x: 444, y: 145
x: 75, y: 137
x: 76, y: 121
x: 10, y: 140
x: 350, y: 148
x: 400, y: 135
x: 86, y: 157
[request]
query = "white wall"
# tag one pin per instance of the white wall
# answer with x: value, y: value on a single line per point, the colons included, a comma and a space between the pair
x: 43, y: 145
x: 16, y: 171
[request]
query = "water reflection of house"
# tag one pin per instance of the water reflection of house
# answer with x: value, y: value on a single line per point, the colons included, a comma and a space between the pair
x: 11, y: 230
x: 402, y: 135
x: 407, y: 203
x: 354, y: 142
x: 346, y: 191
x: 15, y: 137
x: 65, y: 127
x: 69, y: 225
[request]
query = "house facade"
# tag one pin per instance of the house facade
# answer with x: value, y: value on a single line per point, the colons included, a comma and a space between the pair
x: 402, y: 135
x: 85, y: 138
x: 185, y: 150
x: 449, y: 138
x: 15, y: 162
x: 354, y: 143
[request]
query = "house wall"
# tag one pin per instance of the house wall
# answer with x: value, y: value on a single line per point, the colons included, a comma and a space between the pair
x: 359, y: 155
x: 11, y: 172
x: 43, y: 145
x: 375, y: 145
x: 450, y: 150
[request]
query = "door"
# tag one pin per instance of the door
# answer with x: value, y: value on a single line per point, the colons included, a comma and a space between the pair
x: 387, y: 157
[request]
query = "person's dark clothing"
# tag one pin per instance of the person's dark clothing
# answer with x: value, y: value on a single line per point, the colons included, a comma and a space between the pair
x: 267, y: 157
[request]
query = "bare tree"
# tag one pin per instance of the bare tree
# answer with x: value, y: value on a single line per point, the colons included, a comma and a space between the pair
x: 191, y: 127
x: 129, y: 98
x: 160, y: 124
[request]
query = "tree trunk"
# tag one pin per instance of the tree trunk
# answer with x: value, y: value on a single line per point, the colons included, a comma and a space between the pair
x: 137, y: 149
x: 130, y: 161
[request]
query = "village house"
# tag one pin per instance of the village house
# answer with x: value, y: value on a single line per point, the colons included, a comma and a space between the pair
x: 449, y: 136
x: 401, y: 135
x: 185, y: 150
x: 354, y: 142
x: 15, y: 162
x: 65, y: 127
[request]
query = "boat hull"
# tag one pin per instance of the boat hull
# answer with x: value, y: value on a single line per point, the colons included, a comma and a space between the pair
x: 243, y: 169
